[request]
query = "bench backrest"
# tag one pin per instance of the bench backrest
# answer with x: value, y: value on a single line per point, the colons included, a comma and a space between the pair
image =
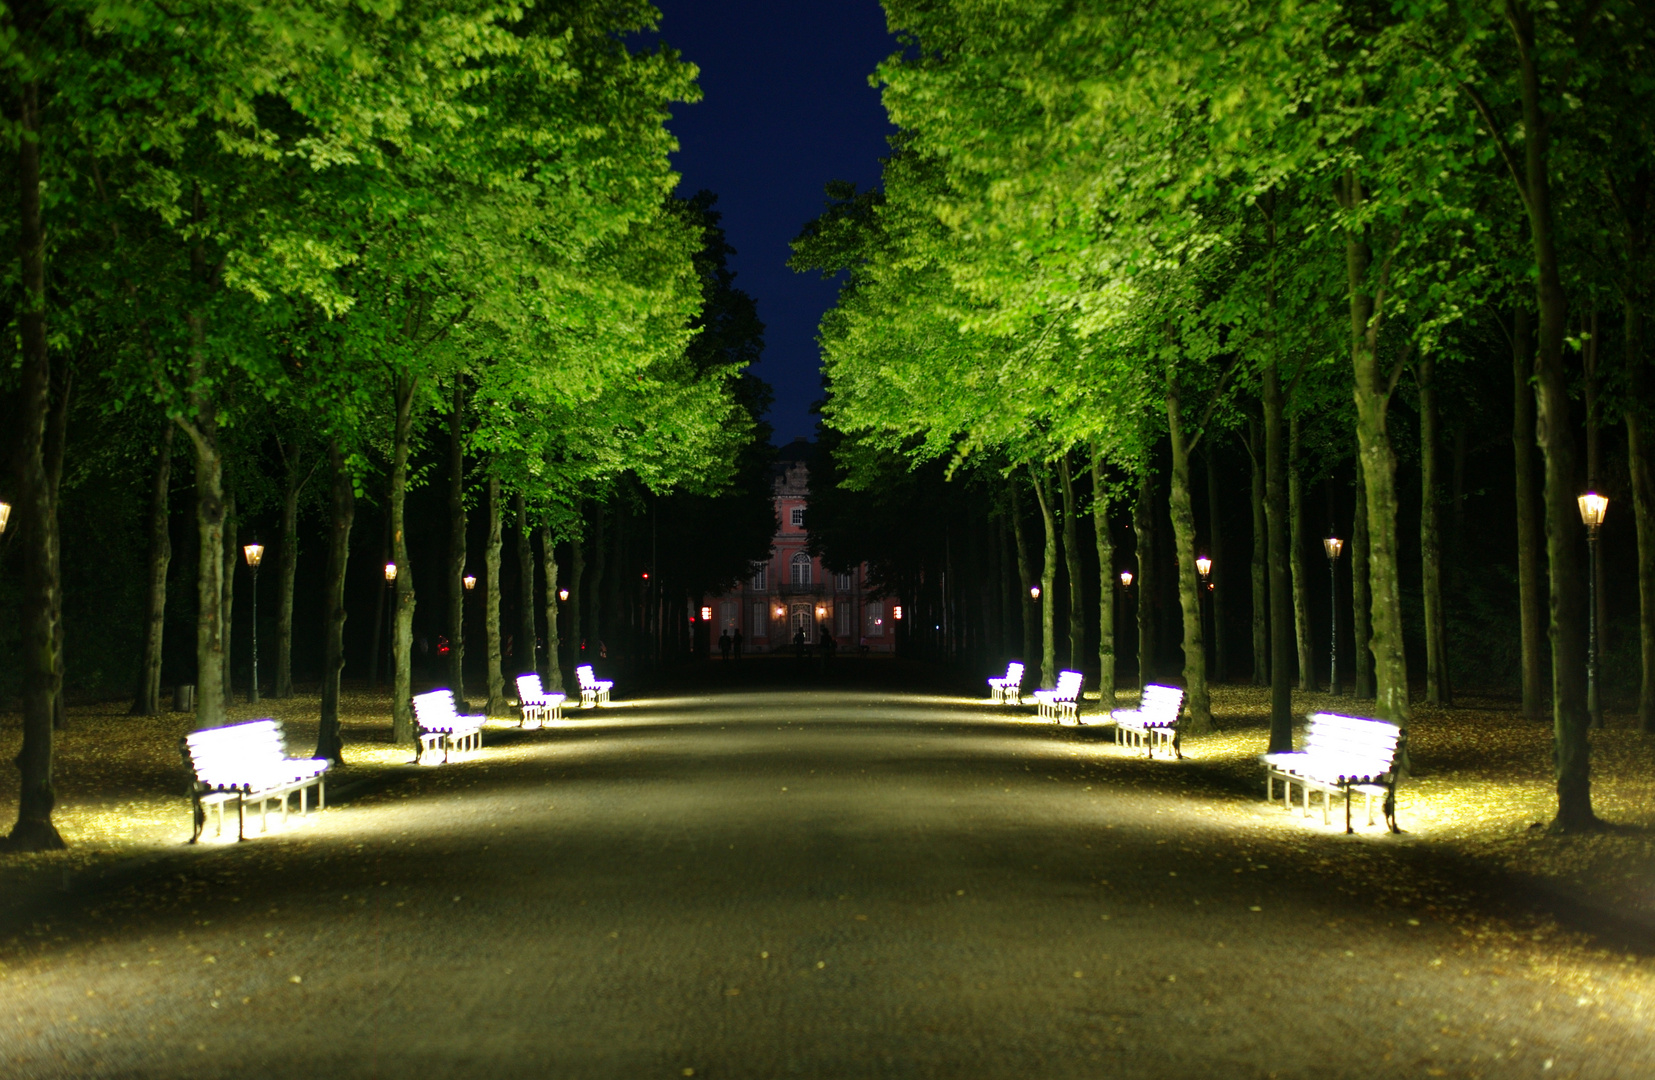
x: 232, y: 755
x: 1014, y: 674
x: 1161, y: 699
x: 1369, y: 745
x: 588, y: 681
x: 528, y: 688
x: 435, y: 705
x: 1068, y: 685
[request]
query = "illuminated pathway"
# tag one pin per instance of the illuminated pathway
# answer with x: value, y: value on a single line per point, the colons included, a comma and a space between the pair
x: 767, y: 883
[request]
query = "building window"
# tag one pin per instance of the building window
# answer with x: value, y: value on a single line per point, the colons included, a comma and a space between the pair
x: 761, y: 577
x: 798, y: 517
x: 801, y: 569
x: 842, y: 582
x: 761, y: 620
x: 843, y: 613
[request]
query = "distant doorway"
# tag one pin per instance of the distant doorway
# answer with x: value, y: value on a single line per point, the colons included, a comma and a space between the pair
x: 803, y: 619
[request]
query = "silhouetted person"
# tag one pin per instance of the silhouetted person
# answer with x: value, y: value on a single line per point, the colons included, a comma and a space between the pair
x: 724, y: 644
x: 735, y: 644
x: 801, y: 644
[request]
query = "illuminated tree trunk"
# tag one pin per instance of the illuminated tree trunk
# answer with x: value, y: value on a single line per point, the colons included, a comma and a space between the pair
x: 1281, y: 584
x: 491, y: 610
x: 210, y: 636
x: 1301, y: 578
x: 288, y: 569
x: 1220, y: 568
x: 456, y: 546
x: 1360, y: 601
x: 1197, y: 704
x: 1591, y: 387
x: 229, y: 553
x: 525, y: 657
x: 1048, y: 583
x: 1530, y: 548
x: 35, y: 516
x: 402, y: 623
x: 329, y: 744
x: 1143, y: 528
x: 1260, y: 575
x: 57, y: 439
x: 1106, y: 585
x: 1025, y: 574
x: 1437, y: 690
x: 148, y: 699
x: 1072, y: 563
x: 375, y: 652
x: 571, y: 609
x: 552, y: 673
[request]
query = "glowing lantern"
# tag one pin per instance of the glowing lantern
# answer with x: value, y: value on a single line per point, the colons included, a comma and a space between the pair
x: 390, y: 572
x: 470, y: 582
x: 1126, y: 579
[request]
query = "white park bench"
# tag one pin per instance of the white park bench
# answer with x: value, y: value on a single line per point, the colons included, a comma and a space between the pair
x: 440, y: 724
x: 1008, y: 689
x: 1341, y: 755
x: 247, y: 763
x: 536, y: 704
x: 1062, y: 701
x: 1155, y: 720
x: 593, y: 690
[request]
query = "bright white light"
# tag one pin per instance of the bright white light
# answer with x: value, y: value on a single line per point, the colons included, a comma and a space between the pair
x: 1126, y: 579
x: 254, y: 554
x: 390, y: 571
x: 1034, y: 591
x: 1333, y: 546
x: 1592, y: 508
x: 563, y: 594
x: 1203, y: 566
x: 470, y: 582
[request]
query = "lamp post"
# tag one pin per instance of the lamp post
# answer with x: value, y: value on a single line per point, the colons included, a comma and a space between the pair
x: 254, y: 554
x: 1592, y: 508
x: 1204, y: 567
x: 1126, y: 590
x: 391, y: 638
x: 1333, y: 546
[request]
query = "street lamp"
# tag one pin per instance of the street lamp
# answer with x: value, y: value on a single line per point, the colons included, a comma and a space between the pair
x: 1034, y: 591
x: 390, y: 573
x: 254, y: 554
x: 563, y: 594
x: 1204, y: 567
x: 470, y: 581
x: 1333, y: 546
x: 1592, y: 508
x: 1126, y: 579
x: 391, y: 638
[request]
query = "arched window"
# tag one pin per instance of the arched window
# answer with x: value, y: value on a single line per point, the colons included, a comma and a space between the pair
x: 801, y: 569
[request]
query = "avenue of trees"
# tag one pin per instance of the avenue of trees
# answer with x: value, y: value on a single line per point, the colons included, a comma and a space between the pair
x: 288, y: 270
x: 1143, y: 280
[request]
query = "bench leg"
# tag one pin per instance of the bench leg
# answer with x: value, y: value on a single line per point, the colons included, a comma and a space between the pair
x: 241, y: 818
x: 321, y: 793
x: 1348, y: 829
x: 198, y: 817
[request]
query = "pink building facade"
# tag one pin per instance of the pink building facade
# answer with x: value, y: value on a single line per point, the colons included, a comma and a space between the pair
x: 793, y: 591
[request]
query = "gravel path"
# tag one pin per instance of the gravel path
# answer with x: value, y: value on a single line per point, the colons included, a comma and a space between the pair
x: 764, y: 882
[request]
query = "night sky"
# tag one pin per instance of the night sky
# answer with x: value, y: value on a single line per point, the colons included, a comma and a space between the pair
x: 786, y: 108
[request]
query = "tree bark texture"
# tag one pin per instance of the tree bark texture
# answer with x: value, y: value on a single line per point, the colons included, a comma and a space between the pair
x: 402, y: 623
x: 571, y: 607
x: 455, y: 622
x: 551, y: 674
x: 1143, y: 531
x: 525, y: 657
x: 1281, y: 584
x: 329, y: 743
x: 1048, y: 582
x: 147, y: 702
x: 380, y: 600
x: 1072, y: 564
x: 1106, y: 585
x: 1305, y: 651
x: 491, y: 602
x: 231, y: 554
x: 1026, y: 601
x: 1260, y: 575
x: 1437, y: 689
x: 1571, y: 745
x: 1220, y: 569
x: 1197, y: 702
x: 287, y: 569
x: 1591, y: 386
x: 57, y: 439
x: 35, y: 515
x: 1360, y: 601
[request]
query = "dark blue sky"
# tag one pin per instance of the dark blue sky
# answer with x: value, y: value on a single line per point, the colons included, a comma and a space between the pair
x: 786, y: 107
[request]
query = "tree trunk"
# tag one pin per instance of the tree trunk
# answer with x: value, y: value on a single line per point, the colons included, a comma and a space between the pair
x: 374, y: 652
x: 1437, y: 690
x: 287, y: 571
x: 1197, y: 703
x: 1143, y: 529
x: 1261, y: 557
x: 1571, y: 736
x: 402, y: 625
x: 552, y: 674
x: 1360, y: 601
x: 1643, y: 508
x: 147, y: 702
x: 57, y: 439
x: 1048, y: 583
x: 1530, y: 594
x: 329, y: 744
x: 230, y: 552
x: 491, y: 608
x: 1281, y: 585
x: 1599, y: 592
x: 1072, y: 563
x: 36, y: 516
x: 525, y: 657
x: 1106, y: 585
x: 1373, y: 395
x: 1301, y: 576
x: 1025, y: 574
x: 571, y: 607
x: 456, y: 547
x: 1220, y: 569
x: 209, y: 515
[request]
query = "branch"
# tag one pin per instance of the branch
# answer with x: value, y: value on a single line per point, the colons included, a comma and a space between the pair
x: 1396, y: 372
x: 1487, y: 114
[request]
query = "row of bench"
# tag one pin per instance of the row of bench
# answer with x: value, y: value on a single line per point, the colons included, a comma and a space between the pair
x: 1342, y: 756
x: 248, y: 764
